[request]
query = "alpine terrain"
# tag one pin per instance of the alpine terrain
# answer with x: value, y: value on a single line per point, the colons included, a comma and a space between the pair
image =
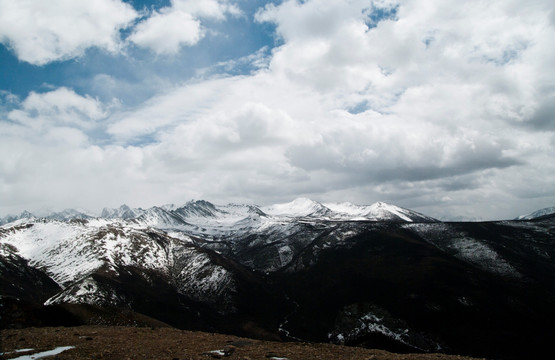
x: 376, y: 276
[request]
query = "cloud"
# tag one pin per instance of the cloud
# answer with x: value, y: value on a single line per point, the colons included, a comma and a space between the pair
x: 388, y: 149
x: 439, y: 98
x: 40, y: 32
x: 166, y: 31
x: 215, y: 9
x: 430, y: 105
x: 60, y: 107
x: 544, y: 116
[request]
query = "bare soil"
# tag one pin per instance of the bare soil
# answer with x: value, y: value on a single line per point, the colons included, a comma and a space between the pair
x: 94, y: 342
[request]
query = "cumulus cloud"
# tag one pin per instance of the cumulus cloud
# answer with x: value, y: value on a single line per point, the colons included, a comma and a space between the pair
x: 427, y: 104
x: 420, y: 99
x: 58, y: 107
x: 166, y: 31
x: 40, y: 32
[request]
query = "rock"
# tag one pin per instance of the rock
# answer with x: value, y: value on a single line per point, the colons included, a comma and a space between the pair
x: 228, y: 350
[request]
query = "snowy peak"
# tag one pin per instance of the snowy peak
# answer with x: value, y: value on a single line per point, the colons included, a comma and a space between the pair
x: 383, y: 211
x: 197, y: 208
x: 70, y: 214
x: 124, y: 212
x: 379, y: 211
x: 247, y: 210
x: 25, y: 215
x: 65, y: 215
x: 205, y: 214
x: 300, y: 207
x: 539, y: 213
x: 159, y: 217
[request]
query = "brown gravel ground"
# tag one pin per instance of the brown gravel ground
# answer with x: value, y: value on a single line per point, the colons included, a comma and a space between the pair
x: 92, y: 342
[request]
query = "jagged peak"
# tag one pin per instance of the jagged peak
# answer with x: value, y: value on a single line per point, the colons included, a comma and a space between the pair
x: 301, y: 207
x: 26, y: 214
x: 201, y: 203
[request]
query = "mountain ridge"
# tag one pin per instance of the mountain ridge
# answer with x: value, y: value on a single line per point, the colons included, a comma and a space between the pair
x: 301, y: 270
x: 538, y: 213
x: 378, y: 211
x: 298, y: 208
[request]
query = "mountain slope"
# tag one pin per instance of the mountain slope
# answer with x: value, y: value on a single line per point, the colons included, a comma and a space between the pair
x: 538, y: 213
x: 390, y: 286
x: 301, y: 270
x: 379, y: 211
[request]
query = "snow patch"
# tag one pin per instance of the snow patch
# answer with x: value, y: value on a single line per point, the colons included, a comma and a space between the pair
x: 44, y: 354
x: 85, y: 291
x: 482, y: 255
x: 371, y: 323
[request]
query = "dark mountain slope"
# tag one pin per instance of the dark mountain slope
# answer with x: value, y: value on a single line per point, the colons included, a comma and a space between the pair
x: 387, y: 283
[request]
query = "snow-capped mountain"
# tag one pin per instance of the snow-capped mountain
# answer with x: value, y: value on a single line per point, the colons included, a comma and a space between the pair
x: 25, y: 215
x: 202, y: 213
x: 73, y: 254
x: 70, y: 214
x: 379, y: 211
x: 205, y: 214
x: 376, y: 275
x: 539, y: 213
x: 123, y: 212
x: 298, y: 208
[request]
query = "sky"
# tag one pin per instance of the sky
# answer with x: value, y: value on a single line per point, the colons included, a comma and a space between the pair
x: 440, y: 106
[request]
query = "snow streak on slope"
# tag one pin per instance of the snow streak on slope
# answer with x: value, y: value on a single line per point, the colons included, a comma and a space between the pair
x: 483, y: 256
x: 87, y: 291
x: 464, y: 247
x: 194, y: 274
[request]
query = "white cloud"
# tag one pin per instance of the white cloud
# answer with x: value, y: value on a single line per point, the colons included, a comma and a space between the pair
x: 40, y: 32
x: 444, y: 108
x: 438, y: 91
x: 165, y: 32
x: 60, y: 107
x: 178, y: 25
x: 216, y: 9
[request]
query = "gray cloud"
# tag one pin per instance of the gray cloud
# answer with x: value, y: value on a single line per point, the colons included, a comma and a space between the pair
x: 544, y: 117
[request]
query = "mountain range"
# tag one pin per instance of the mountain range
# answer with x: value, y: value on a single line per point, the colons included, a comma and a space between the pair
x: 298, y: 208
x: 379, y: 276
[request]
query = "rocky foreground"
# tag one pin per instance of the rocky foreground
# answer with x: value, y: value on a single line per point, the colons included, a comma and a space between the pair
x: 92, y: 342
